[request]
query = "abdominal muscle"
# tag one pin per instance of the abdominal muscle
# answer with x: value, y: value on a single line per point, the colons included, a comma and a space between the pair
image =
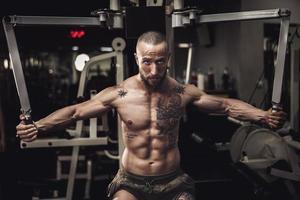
x: 148, y: 154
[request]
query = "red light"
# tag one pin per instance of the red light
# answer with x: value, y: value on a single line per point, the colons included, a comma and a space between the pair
x: 76, y: 34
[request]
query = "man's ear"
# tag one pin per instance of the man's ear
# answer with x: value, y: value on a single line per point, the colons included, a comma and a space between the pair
x: 136, y: 59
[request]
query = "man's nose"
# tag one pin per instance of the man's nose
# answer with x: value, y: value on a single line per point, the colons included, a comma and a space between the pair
x: 154, y: 69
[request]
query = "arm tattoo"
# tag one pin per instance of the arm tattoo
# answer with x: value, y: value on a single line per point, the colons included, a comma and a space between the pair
x: 122, y: 93
x: 179, y: 89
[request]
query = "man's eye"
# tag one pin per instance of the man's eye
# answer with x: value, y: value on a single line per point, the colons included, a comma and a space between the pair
x: 146, y: 62
x: 160, y: 62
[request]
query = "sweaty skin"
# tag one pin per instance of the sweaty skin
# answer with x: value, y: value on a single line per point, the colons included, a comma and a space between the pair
x: 150, y: 105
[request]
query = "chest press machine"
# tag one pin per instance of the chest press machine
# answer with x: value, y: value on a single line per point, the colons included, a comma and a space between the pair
x: 113, y: 19
x: 259, y: 149
x: 108, y: 18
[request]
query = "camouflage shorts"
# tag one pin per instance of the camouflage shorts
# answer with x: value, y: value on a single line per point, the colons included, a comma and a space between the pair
x: 166, y: 187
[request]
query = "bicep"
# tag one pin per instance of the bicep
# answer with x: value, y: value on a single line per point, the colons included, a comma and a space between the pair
x: 96, y: 106
x: 90, y: 108
x: 210, y: 103
x: 205, y: 102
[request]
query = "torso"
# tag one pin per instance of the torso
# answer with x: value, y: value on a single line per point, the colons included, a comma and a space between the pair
x: 150, y: 125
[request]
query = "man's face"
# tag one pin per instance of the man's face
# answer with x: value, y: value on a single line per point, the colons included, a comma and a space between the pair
x: 153, y: 63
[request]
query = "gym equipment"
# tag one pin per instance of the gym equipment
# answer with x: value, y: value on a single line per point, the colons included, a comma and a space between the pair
x: 261, y: 148
x: 185, y: 17
x: 237, y: 140
x: 180, y: 17
x: 9, y: 23
x: 17, y: 69
x: 294, y: 87
x: 111, y: 18
x: 2, y: 135
x: 268, y: 154
x: 60, y: 175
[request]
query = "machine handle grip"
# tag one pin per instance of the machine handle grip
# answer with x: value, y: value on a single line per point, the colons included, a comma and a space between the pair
x: 28, y: 120
x: 27, y: 117
x: 276, y: 107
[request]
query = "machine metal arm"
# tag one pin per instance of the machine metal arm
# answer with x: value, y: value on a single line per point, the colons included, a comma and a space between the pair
x: 280, y: 61
x: 8, y: 23
x: 52, y: 20
x: 181, y: 18
x: 17, y: 69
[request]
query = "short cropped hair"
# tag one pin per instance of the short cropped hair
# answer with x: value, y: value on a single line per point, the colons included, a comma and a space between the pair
x: 153, y: 37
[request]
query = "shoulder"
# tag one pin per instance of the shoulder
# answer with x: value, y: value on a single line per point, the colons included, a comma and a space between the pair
x: 129, y: 82
x: 185, y: 89
x: 121, y: 87
x: 109, y: 95
x: 192, y: 90
x: 175, y: 86
x: 189, y: 92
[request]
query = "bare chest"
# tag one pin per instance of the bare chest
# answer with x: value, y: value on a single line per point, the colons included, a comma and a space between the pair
x: 160, y: 111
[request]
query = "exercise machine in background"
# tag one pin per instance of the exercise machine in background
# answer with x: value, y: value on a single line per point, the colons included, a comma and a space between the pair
x: 272, y: 155
x: 109, y: 18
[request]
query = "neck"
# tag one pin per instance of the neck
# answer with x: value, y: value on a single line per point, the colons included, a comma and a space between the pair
x: 150, y: 88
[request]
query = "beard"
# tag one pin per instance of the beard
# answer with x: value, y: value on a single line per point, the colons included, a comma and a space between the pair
x: 153, y: 82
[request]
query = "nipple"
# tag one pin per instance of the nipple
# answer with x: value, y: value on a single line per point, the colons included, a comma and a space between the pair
x: 129, y: 122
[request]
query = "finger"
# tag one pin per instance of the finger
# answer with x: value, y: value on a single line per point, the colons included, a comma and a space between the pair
x: 26, y: 131
x: 28, y: 136
x: 275, y: 122
x: 24, y: 126
x: 22, y: 116
x: 281, y: 114
x: 30, y: 139
x: 277, y: 118
x: 273, y: 126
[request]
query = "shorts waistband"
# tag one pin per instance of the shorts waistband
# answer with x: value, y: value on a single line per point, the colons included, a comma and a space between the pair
x: 155, y: 178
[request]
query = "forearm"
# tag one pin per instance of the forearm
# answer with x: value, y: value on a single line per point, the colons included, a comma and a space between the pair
x: 64, y: 117
x: 59, y: 119
x: 243, y: 111
x: 232, y: 107
x: 235, y: 108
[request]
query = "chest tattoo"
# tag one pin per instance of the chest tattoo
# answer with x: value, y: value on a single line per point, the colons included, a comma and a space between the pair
x: 169, y: 112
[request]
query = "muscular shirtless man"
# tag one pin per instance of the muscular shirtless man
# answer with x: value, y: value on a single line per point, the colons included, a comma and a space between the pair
x: 150, y: 105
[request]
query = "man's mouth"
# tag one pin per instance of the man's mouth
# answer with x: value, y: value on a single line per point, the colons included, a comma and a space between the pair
x: 154, y: 78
